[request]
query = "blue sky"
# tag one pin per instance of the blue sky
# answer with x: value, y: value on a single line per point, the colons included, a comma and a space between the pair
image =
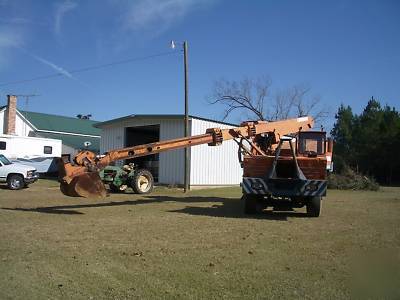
x: 346, y: 51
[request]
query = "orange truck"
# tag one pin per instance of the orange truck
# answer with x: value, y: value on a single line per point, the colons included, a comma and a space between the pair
x: 284, y: 163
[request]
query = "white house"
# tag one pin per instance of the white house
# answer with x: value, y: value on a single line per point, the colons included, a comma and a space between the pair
x: 73, y: 132
x: 217, y: 165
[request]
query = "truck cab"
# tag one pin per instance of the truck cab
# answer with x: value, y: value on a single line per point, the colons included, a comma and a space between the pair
x: 17, y: 176
x: 294, y: 173
x: 315, y: 144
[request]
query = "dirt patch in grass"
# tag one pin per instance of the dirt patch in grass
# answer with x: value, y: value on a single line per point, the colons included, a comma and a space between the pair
x: 199, y: 245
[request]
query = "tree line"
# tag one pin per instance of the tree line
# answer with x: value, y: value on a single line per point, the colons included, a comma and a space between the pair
x: 369, y: 142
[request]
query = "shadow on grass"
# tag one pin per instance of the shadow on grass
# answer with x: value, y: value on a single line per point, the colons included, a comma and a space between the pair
x: 49, y: 210
x: 222, y: 207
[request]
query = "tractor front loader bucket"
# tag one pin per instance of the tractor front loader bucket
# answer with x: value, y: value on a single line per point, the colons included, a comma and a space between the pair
x: 87, y: 185
x: 76, y: 181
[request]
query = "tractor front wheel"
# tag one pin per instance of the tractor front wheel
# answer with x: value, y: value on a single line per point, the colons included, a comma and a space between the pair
x: 142, y: 182
x: 114, y: 188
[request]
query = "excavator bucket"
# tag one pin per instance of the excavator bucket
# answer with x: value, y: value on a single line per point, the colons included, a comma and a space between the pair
x: 78, y: 181
x: 88, y: 185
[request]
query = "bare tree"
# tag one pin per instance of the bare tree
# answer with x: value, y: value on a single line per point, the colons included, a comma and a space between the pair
x: 254, y: 98
x: 248, y: 95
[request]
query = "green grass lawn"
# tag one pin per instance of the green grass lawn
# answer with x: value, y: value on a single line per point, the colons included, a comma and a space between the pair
x: 200, y: 245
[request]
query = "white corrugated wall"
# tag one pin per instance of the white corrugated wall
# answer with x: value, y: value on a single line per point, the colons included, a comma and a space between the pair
x: 214, y: 165
x: 208, y: 166
x: 112, y: 137
x: 171, y: 164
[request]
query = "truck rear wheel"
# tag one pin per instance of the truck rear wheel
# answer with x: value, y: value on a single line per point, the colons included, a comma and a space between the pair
x: 142, y: 182
x: 313, y: 206
x: 252, y: 203
x: 15, y: 182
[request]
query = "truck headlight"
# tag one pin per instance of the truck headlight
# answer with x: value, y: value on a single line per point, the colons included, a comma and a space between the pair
x: 312, y: 187
x: 257, y: 186
x: 30, y: 173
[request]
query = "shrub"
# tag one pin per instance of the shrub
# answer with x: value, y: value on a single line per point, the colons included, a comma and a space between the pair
x: 351, y: 180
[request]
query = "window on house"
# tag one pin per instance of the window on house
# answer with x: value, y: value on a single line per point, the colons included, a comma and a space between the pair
x: 3, y: 145
x: 48, y: 150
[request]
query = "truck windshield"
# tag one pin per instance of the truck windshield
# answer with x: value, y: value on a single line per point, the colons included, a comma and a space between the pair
x: 312, y: 142
x: 4, y: 160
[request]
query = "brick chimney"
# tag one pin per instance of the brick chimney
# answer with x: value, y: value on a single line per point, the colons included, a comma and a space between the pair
x: 11, y: 114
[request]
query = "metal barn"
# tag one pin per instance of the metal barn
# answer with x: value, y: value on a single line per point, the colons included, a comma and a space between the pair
x: 208, y: 165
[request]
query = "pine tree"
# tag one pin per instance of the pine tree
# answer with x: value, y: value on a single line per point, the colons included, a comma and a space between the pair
x: 342, y: 134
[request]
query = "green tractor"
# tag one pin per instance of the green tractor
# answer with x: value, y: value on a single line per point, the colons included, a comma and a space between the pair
x: 120, y: 178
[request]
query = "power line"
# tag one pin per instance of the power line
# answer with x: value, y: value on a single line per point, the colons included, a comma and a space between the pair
x: 90, y: 68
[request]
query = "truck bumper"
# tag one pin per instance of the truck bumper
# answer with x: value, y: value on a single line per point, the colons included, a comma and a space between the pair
x: 32, y: 179
x: 284, y: 187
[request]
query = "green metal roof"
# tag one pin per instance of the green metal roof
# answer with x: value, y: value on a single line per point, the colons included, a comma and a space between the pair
x: 74, y: 141
x: 61, y: 123
x: 161, y: 116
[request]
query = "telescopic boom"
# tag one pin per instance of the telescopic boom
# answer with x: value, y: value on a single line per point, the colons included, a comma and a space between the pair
x: 82, y: 178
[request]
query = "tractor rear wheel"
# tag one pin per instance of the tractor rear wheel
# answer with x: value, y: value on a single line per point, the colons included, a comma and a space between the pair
x: 142, y: 182
x: 313, y: 206
x: 252, y: 203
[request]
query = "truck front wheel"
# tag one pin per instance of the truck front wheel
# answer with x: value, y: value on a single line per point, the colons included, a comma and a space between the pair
x: 313, y: 206
x: 15, y: 182
x: 142, y: 182
x: 252, y: 203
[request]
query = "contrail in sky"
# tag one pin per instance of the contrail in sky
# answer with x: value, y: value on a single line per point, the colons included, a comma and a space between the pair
x: 54, y: 66
x: 59, y: 69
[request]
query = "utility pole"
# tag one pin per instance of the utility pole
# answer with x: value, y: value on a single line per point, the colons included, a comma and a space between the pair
x: 187, y: 169
x: 186, y: 176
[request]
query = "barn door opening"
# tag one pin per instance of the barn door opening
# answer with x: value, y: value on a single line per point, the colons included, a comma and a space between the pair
x: 139, y: 135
